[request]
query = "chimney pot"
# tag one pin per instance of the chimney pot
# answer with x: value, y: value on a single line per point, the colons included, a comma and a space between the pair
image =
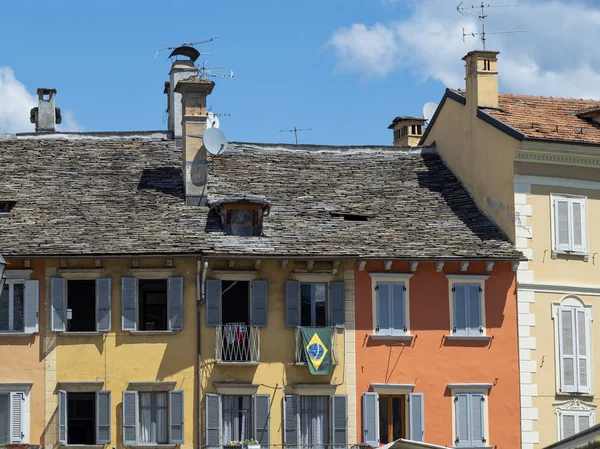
x: 407, y: 131
x: 482, y: 78
x: 46, y: 115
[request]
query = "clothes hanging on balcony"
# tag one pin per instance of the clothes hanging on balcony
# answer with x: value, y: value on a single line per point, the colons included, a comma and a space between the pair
x: 235, y: 332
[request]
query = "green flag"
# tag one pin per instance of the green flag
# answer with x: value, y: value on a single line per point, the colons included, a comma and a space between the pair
x: 317, y: 349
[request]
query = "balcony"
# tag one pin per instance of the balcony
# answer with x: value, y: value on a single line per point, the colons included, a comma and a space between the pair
x: 301, y: 358
x: 237, y: 343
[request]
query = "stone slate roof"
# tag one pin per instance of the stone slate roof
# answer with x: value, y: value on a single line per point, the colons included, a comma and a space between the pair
x: 124, y: 195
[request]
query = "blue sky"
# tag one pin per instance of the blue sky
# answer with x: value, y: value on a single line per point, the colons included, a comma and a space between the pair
x: 342, y: 68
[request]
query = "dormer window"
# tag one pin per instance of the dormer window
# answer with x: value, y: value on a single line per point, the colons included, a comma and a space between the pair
x: 6, y: 206
x: 242, y: 215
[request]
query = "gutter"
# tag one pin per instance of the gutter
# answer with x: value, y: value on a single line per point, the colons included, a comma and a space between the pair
x: 201, y: 270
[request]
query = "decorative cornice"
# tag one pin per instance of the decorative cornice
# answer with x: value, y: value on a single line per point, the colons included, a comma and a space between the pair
x: 575, y: 405
x: 557, y: 158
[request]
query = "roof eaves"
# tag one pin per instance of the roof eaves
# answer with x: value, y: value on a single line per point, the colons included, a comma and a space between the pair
x: 500, y: 125
x: 448, y: 94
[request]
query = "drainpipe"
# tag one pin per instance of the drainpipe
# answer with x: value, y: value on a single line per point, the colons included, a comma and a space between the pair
x: 201, y: 270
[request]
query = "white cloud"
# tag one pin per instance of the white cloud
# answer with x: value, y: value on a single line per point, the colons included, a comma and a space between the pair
x: 557, y: 56
x: 16, y: 103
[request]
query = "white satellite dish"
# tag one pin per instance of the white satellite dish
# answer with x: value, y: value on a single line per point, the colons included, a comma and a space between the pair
x: 428, y: 110
x: 212, y: 121
x: 214, y: 140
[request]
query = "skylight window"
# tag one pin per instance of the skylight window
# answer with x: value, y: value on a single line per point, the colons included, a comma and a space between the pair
x: 6, y: 206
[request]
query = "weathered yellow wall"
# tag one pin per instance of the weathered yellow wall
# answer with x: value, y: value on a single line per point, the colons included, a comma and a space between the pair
x: 118, y: 357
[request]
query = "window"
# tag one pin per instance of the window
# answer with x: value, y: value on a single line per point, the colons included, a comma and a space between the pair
x: 314, y: 421
x: 569, y: 224
x: 391, y: 418
x: 242, y: 221
x: 469, y: 419
x: 80, y: 305
x: 19, y: 306
x: 153, y: 417
x: 572, y: 321
x: 83, y: 417
x: 6, y: 206
x: 467, y: 307
x: 242, y: 215
x: 391, y: 308
x: 13, y: 417
x: 313, y: 304
x: 236, y: 418
x: 574, y: 416
x: 153, y: 305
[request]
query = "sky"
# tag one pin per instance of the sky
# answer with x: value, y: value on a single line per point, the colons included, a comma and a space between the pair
x: 344, y: 69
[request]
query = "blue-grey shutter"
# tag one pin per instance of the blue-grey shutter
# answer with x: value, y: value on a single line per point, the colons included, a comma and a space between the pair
x: 213, y: 420
x: 339, y: 414
x: 102, y: 417
x: 460, y: 309
x: 338, y: 303
x: 130, y: 417
x: 474, y: 309
x: 62, y: 417
x: 16, y: 417
x: 291, y: 420
x: 370, y: 409
x: 292, y: 303
x: 129, y: 293
x: 398, y: 308
x: 58, y: 300
x: 259, y: 303
x: 262, y: 419
x: 461, y: 403
x: 213, y: 302
x: 383, y: 307
x: 103, y: 304
x: 416, y: 416
x: 477, y: 435
x: 176, y: 416
x: 32, y: 300
x: 175, y: 303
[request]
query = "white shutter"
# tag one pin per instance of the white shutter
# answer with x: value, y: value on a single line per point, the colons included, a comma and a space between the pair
x: 567, y: 349
x: 16, y: 417
x: 561, y: 224
x: 578, y: 224
x: 583, y: 351
x: 568, y: 425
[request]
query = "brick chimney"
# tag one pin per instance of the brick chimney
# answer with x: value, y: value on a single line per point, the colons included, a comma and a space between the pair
x: 181, y: 69
x: 194, y: 91
x: 482, y: 78
x: 46, y: 115
x: 407, y: 131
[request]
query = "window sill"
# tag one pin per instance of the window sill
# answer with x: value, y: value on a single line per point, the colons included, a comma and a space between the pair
x: 555, y: 254
x: 575, y: 394
x: 152, y: 333
x: 391, y: 337
x: 240, y: 363
x: 81, y: 334
x: 17, y: 334
x: 469, y: 338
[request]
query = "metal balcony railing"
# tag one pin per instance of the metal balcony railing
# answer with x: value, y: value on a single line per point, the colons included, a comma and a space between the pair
x: 237, y: 342
x: 300, y: 356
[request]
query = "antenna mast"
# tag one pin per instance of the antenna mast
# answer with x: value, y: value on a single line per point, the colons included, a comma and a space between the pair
x: 295, y: 131
x: 467, y: 11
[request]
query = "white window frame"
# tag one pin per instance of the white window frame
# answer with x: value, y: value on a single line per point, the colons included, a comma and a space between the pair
x: 475, y: 388
x: 573, y: 302
x: 584, y: 231
x: 25, y: 410
x: 154, y: 410
x: 10, y: 282
x: 576, y: 408
x: 467, y: 279
x: 398, y: 278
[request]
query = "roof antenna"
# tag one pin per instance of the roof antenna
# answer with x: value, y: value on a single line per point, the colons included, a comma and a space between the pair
x: 467, y: 11
x: 204, y: 71
x: 186, y: 49
x: 295, y: 131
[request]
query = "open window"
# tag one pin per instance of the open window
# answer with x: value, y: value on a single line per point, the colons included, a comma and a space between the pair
x: 80, y: 305
x: 84, y: 417
x: 19, y: 306
x: 242, y: 215
x: 14, y: 416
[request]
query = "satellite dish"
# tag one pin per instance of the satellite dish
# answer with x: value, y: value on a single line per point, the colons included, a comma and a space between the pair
x: 212, y: 121
x: 428, y: 110
x: 214, y: 140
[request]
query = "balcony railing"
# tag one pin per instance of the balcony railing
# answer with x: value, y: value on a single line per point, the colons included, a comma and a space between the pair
x: 300, y: 356
x: 237, y: 343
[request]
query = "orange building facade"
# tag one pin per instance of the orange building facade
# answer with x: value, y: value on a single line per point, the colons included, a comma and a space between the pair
x: 437, y: 353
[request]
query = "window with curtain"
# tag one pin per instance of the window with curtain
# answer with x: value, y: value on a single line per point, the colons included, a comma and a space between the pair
x: 314, y: 422
x: 236, y: 418
x: 12, y: 307
x: 154, y: 418
x: 313, y: 304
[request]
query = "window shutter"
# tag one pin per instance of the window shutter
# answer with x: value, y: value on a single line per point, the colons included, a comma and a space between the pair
x: 584, y: 422
x: 291, y: 418
x: 58, y: 291
x: 62, y: 417
x: 16, y: 418
x: 213, y: 420
x: 398, y: 308
x: 102, y: 417
x: 130, y: 417
x: 578, y: 224
x: 129, y: 293
x: 462, y: 420
x: 477, y: 434
x: 561, y: 224
x: 460, y: 309
x: 259, y: 303
x: 474, y: 309
x: 370, y: 405
x: 32, y: 295
x: 292, y: 303
x: 566, y: 328
x: 103, y: 304
x: 338, y: 303
x: 416, y: 404
x: 213, y: 302
x: 175, y: 303
x: 568, y: 425
x: 339, y: 413
x: 383, y: 307
x: 176, y: 414
x: 582, y: 351
x: 262, y: 419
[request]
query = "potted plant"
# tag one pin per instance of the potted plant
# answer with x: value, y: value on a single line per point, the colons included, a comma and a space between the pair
x: 251, y: 444
x: 234, y: 444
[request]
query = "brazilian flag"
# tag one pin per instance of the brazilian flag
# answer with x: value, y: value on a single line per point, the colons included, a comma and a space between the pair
x: 317, y: 349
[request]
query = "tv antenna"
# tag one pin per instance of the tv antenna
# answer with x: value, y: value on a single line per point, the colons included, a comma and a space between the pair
x: 470, y: 11
x: 186, y: 49
x: 295, y: 131
x: 204, y: 71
